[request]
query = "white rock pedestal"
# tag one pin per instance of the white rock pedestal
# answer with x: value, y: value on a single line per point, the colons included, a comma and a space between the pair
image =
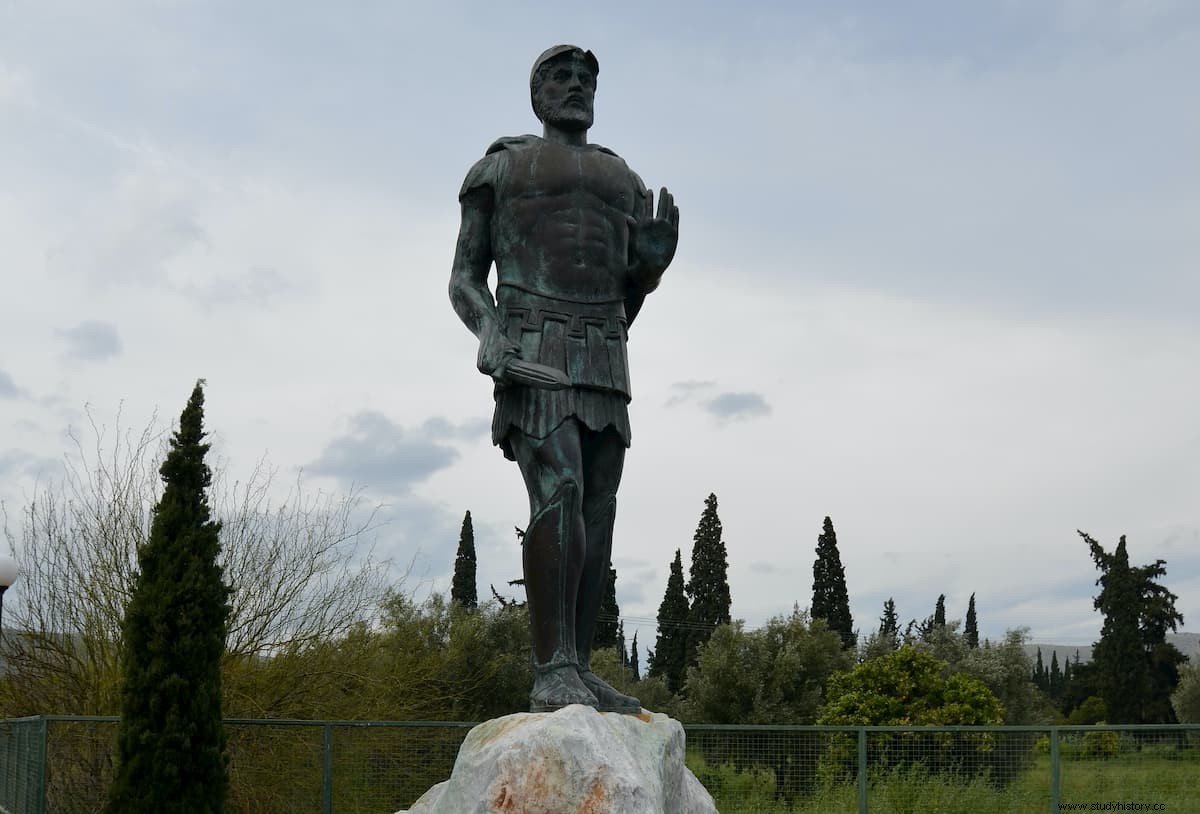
x: 573, y: 761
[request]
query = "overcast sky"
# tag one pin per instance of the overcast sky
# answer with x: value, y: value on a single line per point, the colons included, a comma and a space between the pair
x: 938, y: 274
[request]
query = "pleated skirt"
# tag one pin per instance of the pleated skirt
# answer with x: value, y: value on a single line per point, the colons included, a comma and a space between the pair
x: 537, y: 412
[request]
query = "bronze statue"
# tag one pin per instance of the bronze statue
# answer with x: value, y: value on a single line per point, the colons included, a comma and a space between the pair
x: 577, y: 247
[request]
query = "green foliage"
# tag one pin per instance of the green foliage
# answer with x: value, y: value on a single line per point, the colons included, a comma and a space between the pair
x: 831, y: 601
x: 1054, y: 678
x: 670, y: 650
x: 171, y: 742
x: 1186, y: 698
x: 889, y: 624
x: 1093, y: 710
x: 654, y: 694
x: 463, y: 589
x: 939, y: 611
x: 772, y: 675
x: 299, y: 567
x: 971, y: 628
x: 634, y: 666
x: 708, y: 580
x: 1101, y: 744
x: 1003, y: 667
x: 1135, y: 668
x: 439, y: 661
x: 608, y: 619
x: 906, y: 688
x: 886, y: 639
x: 753, y: 788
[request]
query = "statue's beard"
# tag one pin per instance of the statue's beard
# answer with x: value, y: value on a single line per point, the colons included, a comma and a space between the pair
x: 566, y: 116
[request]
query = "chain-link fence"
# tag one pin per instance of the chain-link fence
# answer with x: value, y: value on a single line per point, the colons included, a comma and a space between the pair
x: 22, y: 764
x: 63, y: 764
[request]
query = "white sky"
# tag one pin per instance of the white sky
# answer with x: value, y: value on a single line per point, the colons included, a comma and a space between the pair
x: 937, y: 277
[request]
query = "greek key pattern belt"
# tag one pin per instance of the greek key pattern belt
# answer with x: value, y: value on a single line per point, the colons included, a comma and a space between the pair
x: 535, y: 311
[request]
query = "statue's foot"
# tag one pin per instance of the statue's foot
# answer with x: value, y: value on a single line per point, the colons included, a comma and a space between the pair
x: 558, y: 687
x: 609, y: 699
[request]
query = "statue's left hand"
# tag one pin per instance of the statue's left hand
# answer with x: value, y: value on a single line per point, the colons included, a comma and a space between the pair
x: 654, y: 239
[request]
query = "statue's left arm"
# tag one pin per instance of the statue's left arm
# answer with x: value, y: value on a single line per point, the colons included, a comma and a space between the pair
x: 652, y: 243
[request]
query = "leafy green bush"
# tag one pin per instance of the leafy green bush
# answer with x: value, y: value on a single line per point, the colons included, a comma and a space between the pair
x: 909, y: 688
x: 1101, y: 744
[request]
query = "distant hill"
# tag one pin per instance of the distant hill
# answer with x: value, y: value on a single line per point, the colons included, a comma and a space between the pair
x: 1188, y: 644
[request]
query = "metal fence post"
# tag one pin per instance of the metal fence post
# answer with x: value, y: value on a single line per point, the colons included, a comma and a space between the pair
x: 327, y: 770
x: 862, y: 770
x: 1055, y: 776
x: 39, y: 779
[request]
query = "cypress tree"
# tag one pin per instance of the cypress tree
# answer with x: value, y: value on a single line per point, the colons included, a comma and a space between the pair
x: 1119, y: 657
x: 624, y: 650
x: 708, y: 583
x: 939, y: 611
x: 670, y: 649
x: 1039, y: 672
x: 463, y: 589
x: 633, y: 659
x: 1054, y: 679
x: 171, y: 741
x: 1136, y: 668
x: 608, y: 629
x: 971, y: 630
x: 889, y: 625
x: 830, y: 600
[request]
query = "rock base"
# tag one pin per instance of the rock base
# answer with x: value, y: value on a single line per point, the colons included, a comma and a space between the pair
x: 573, y: 761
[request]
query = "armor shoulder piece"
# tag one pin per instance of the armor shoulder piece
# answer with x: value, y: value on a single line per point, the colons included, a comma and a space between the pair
x: 485, y: 176
x: 511, y: 143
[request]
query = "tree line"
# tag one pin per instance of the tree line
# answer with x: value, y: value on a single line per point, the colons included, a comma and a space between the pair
x: 155, y: 589
x: 1135, y: 676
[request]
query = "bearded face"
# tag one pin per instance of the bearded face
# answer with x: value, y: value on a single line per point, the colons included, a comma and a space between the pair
x: 564, y: 93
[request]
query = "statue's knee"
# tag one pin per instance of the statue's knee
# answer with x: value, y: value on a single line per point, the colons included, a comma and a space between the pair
x: 565, y: 496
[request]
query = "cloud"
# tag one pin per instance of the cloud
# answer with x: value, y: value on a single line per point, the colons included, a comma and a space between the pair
x: 382, y: 456
x: 92, y: 341
x: 738, y: 406
x: 685, y: 391
x: 440, y: 428
x: 8, y: 388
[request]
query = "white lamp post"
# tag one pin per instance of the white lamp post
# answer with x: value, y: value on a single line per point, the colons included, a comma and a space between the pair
x: 8, y: 575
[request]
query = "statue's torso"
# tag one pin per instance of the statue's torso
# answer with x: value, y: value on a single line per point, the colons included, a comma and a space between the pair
x: 559, y: 226
x: 560, y: 242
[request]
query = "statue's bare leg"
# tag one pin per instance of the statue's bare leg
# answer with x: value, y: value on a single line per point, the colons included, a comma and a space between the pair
x: 603, y: 460
x: 553, y: 557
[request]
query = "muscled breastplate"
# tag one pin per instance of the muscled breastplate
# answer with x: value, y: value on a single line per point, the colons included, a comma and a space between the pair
x: 560, y: 240
x: 559, y: 224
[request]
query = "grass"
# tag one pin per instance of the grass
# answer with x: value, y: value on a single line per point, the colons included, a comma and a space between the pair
x: 1149, y: 776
